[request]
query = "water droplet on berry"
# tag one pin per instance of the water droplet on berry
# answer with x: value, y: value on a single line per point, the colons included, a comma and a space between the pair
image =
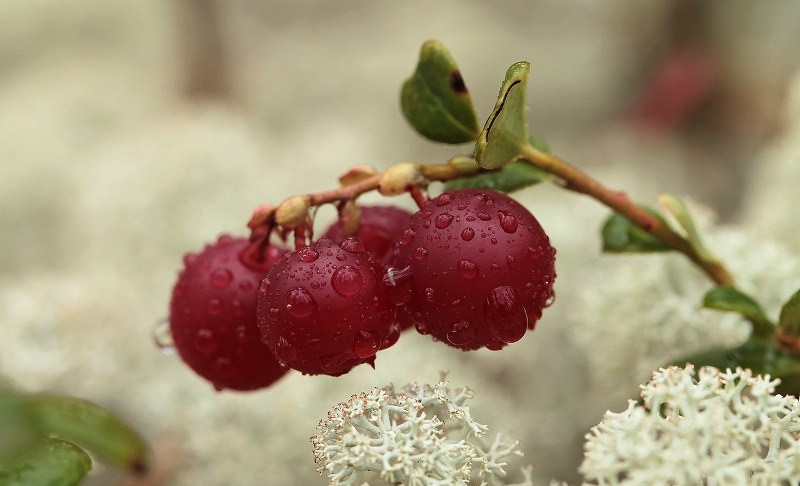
x: 205, y: 342
x: 299, y: 302
x: 429, y: 294
x: 550, y: 299
x: 467, y: 234
x: 189, y: 259
x: 284, y: 351
x: 237, y: 308
x: 215, y: 307
x: 461, y: 333
x: 495, y: 268
x: 493, y: 241
x: 241, y: 333
x: 274, y: 313
x: 308, y: 255
x: 508, y: 222
x: 163, y: 337
x: 221, y: 277
x: 407, y: 236
x: 468, y: 269
x: 341, y: 257
x: 264, y: 286
x: 484, y: 217
x: 470, y: 218
x: 443, y: 220
x: 315, y: 285
x: 335, y: 364
x: 421, y: 327
x: 223, y: 366
x: 392, y: 337
x: 511, y: 261
x: 246, y: 286
x: 421, y: 253
x: 366, y: 344
x: 347, y: 281
x: 506, y: 317
x: 352, y: 245
x: 444, y: 199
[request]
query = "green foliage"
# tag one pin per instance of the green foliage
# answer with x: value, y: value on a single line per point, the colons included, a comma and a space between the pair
x: 18, y: 431
x: 761, y: 356
x: 789, y: 320
x: 678, y: 209
x: 620, y: 235
x: 506, y: 132
x: 731, y: 299
x: 51, y: 462
x: 435, y: 100
x: 92, y: 427
x: 514, y: 176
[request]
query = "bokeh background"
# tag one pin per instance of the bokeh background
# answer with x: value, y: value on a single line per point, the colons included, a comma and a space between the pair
x: 133, y: 131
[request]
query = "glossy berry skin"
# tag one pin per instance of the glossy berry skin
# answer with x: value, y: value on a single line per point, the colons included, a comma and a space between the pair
x: 324, y: 308
x: 379, y: 229
x: 481, y: 269
x: 213, y: 316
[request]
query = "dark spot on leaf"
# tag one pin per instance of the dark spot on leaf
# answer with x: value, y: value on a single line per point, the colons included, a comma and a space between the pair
x: 457, y: 82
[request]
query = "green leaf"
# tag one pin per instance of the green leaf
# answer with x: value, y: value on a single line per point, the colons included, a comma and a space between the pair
x: 18, y: 431
x: 505, y: 133
x: 435, y: 100
x: 730, y: 299
x: 756, y: 354
x: 620, y: 235
x: 87, y: 424
x: 678, y: 209
x: 789, y: 320
x: 51, y: 462
x: 510, y: 178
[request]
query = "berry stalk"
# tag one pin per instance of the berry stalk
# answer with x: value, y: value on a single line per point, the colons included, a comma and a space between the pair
x: 573, y: 179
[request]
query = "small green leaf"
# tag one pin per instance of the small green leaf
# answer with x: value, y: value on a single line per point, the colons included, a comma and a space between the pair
x: 505, y: 132
x: 51, y: 462
x: 731, y: 299
x: 435, y: 100
x: 620, y: 235
x: 678, y: 209
x: 756, y: 354
x: 18, y: 431
x: 789, y: 320
x: 539, y: 143
x: 93, y: 427
x: 510, y: 178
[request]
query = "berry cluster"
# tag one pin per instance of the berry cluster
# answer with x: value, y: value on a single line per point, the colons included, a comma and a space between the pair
x: 472, y: 268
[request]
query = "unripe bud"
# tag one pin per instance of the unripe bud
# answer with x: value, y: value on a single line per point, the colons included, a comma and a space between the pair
x: 398, y: 178
x: 292, y: 212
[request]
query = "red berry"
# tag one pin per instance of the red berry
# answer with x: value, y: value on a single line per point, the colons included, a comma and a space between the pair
x: 324, y: 308
x: 213, y: 315
x: 481, y: 269
x: 379, y: 229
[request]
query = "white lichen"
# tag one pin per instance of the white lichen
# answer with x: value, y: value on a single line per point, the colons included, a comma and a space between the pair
x: 646, y: 311
x: 699, y: 427
x: 419, y: 435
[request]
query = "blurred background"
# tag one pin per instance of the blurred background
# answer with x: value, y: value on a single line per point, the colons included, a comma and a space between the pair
x: 132, y: 132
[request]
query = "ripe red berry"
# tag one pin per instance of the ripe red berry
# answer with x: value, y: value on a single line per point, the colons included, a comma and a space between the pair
x: 379, y: 229
x: 324, y: 308
x: 481, y: 269
x: 213, y: 315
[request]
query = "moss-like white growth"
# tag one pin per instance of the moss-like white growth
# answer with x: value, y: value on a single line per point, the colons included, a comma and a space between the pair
x: 699, y: 427
x: 419, y: 435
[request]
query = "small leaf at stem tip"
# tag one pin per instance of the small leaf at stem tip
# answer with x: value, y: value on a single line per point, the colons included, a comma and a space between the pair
x: 18, y: 431
x: 93, y: 427
x: 435, y: 100
x: 789, y: 320
x: 505, y: 132
x: 731, y: 299
x: 292, y: 212
x: 763, y: 357
x: 51, y: 462
x: 678, y: 209
x: 620, y: 235
x: 357, y: 174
